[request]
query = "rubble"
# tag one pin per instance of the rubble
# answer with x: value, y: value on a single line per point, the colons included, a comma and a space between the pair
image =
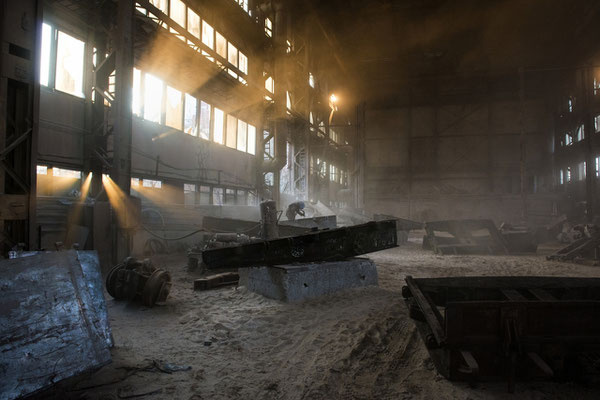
x: 477, y: 236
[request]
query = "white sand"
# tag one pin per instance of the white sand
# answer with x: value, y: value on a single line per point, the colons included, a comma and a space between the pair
x: 358, y: 344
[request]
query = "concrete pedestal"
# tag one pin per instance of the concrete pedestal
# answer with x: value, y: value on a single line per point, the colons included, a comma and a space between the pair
x: 292, y: 283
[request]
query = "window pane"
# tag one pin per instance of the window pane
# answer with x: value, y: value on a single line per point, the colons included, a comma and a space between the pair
x: 218, y: 132
x: 232, y: 54
x: 177, y: 12
x: 66, y: 173
x: 193, y: 23
x: 241, y: 135
x: 208, y: 35
x: 231, y: 131
x: 160, y: 4
x: 45, y: 61
x: 251, y: 139
x: 221, y: 45
x: 218, y: 196
x: 153, y: 98
x: 174, y: 110
x: 243, y: 63
x: 150, y: 183
x: 69, y: 64
x: 41, y: 169
x: 190, y: 119
x: 204, y: 194
x: 205, y: 120
x: 270, y: 85
x: 136, y: 105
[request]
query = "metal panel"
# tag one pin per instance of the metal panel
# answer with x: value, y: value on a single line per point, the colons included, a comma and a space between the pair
x: 53, y: 320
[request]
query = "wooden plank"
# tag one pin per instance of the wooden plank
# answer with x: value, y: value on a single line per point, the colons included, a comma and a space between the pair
x: 52, y: 310
x: 430, y: 312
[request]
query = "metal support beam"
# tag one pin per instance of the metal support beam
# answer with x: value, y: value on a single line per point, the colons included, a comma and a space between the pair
x: 121, y: 109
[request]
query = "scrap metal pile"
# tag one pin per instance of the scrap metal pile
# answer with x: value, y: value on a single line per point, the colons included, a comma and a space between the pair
x: 585, y: 247
x: 477, y: 236
x: 489, y: 328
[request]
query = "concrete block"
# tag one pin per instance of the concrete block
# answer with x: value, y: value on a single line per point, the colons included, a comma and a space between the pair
x: 293, y: 283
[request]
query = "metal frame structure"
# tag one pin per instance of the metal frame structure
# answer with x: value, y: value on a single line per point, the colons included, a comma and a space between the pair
x: 489, y: 328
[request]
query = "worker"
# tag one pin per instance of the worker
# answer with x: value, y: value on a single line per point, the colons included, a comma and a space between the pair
x: 293, y: 209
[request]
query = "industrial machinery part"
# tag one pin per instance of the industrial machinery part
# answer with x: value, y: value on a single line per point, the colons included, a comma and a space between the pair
x: 488, y: 328
x: 476, y: 236
x: 218, y: 280
x: 327, y: 245
x: 135, y: 279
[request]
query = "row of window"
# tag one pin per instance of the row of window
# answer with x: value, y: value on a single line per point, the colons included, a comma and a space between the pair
x: 189, y: 20
x: 204, y: 195
x: 567, y: 175
x: 155, y: 101
x: 579, y: 135
x: 193, y: 194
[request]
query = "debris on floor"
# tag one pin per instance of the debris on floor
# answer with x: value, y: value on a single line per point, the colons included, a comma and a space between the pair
x: 52, y: 304
x: 215, y: 281
x: 477, y: 236
x: 584, y: 250
x: 138, y: 280
x: 485, y: 328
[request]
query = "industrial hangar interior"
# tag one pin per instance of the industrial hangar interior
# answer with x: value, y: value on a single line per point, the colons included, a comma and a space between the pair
x: 299, y: 199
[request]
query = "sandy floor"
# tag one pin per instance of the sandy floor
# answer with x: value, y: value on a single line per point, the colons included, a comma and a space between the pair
x: 358, y: 344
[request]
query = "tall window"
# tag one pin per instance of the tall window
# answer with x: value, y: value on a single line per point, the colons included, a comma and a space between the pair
x: 232, y: 54
x: 218, y: 196
x: 162, y: 5
x: 69, y: 64
x: 219, y: 125
x: 270, y: 85
x: 204, y: 194
x: 190, y: 118
x: 174, y: 111
x: 243, y: 63
x: 204, y: 120
x: 242, y: 135
x: 62, y: 61
x: 177, y: 12
x: 208, y: 35
x: 189, y: 194
x: 251, y: 139
x: 231, y: 131
x: 221, y: 45
x: 47, y: 38
x: 153, y: 93
x: 268, y: 27
x: 193, y: 21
